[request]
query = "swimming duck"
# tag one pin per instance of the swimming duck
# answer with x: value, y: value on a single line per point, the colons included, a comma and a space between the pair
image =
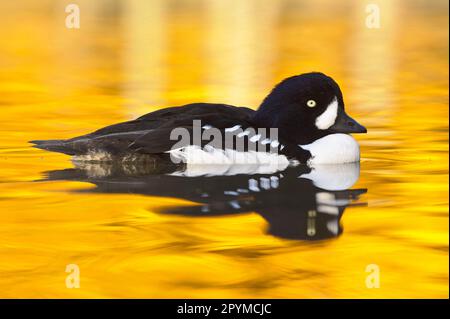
x: 306, y: 110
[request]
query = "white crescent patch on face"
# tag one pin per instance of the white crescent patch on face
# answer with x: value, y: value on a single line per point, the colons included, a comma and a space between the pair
x: 328, y: 117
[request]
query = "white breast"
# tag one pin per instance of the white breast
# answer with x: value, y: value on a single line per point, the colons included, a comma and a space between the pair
x: 333, y: 149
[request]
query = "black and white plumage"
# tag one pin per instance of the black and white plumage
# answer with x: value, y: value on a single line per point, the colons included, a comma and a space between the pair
x: 307, y: 110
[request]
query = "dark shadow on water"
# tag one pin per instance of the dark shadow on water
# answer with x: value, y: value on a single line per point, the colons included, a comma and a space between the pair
x: 298, y: 203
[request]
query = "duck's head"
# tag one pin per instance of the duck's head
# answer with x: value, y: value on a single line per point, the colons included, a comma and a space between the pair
x: 306, y: 107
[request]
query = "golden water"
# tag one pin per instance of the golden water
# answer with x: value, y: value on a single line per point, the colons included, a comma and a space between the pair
x: 132, y: 57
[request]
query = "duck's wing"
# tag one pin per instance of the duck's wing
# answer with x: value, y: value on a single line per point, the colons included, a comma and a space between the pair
x: 150, y: 133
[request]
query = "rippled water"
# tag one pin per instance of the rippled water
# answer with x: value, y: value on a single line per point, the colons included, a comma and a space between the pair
x: 137, y: 233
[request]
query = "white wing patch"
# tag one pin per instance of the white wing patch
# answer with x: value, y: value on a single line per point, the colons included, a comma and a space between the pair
x: 255, y: 138
x: 328, y: 117
x: 275, y: 144
x: 243, y: 133
x: 232, y: 129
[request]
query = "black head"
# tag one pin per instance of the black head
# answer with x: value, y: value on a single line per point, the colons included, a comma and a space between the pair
x: 306, y: 107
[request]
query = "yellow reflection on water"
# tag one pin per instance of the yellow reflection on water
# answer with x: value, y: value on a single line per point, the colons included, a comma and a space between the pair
x: 132, y: 57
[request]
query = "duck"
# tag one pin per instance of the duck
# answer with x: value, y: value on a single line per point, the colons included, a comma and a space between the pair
x: 302, y: 120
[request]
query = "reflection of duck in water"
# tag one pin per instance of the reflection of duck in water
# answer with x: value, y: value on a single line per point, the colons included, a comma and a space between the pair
x: 306, y: 110
x: 298, y: 203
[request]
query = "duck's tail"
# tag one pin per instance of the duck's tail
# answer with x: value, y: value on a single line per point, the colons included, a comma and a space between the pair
x: 59, y: 146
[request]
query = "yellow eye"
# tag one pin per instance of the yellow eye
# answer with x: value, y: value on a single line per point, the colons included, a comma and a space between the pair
x: 311, y: 103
